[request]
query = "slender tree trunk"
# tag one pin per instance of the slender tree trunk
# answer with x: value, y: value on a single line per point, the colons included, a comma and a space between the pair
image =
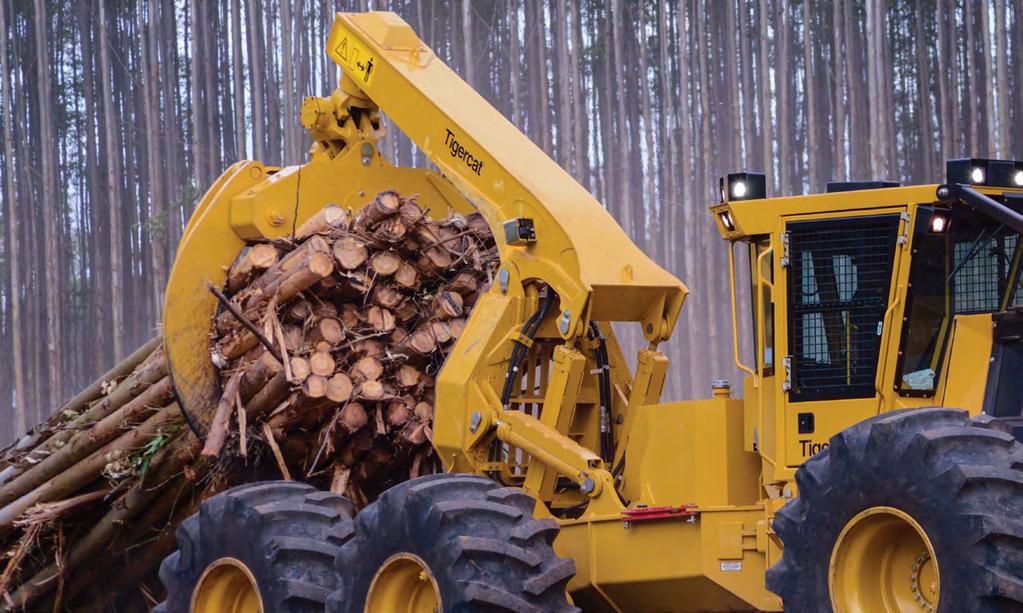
x: 766, y: 120
x: 810, y: 97
x: 647, y: 104
x: 238, y: 76
x: 198, y: 160
x: 944, y: 103
x: 749, y: 130
x: 667, y: 100
x: 470, y: 68
x: 839, y: 55
x: 50, y: 209
x: 732, y: 79
x: 925, y: 126
x: 157, y: 205
x: 621, y: 131
x: 565, y: 134
x: 13, y: 254
x: 972, y: 124
x: 112, y: 151
x: 989, y: 73
x: 782, y: 76
x: 288, y: 75
x: 514, y: 58
x: 256, y: 77
x: 1002, y: 83
x: 211, y: 128
x: 878, y: 146
x: 580, y: 123
x: 1017, y: 60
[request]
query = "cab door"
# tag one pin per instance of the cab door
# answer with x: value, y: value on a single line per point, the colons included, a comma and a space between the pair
x: 838, y: 301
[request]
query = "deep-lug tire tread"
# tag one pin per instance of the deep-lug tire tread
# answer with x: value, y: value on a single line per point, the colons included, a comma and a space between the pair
x: 287, y: 533
x: 486, y: 550
x: 960, y: 478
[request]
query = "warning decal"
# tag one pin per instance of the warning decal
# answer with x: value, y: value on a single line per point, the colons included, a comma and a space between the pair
x: 354, y: 56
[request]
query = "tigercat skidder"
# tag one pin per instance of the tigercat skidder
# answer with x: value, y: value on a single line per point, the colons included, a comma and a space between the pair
x: 870, y: 465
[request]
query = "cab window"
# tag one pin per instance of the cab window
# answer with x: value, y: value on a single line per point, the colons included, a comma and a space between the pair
x: 963, y: 263
x: 839, y: 281
x: 761, y: 294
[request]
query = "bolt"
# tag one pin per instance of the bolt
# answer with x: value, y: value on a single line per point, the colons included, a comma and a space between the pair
x: 587, y: 486
x: 566, y: 317
x: 502, y: 278
x: 275, y: 217
x: 474, y: 421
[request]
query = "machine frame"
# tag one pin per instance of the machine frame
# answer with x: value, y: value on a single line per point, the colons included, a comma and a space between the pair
x: 660, y: 503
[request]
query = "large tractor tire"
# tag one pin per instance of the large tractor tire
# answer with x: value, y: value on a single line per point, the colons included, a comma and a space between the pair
x: 451, y: 543
x: 915, y: 510
x: 266, y: 547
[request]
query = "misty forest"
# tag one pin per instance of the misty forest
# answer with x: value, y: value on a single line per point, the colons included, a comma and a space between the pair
x: 117, y: 115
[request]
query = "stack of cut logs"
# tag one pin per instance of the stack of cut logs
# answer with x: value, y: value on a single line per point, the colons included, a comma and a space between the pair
x: 328, y: 344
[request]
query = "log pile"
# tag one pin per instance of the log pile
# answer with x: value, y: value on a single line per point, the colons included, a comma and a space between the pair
x: 328, y: 344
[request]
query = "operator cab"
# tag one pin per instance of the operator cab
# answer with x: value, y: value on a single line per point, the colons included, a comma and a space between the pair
x: 874, y: 297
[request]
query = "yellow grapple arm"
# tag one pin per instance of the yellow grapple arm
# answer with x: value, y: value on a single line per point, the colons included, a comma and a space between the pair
x: 548, y: 228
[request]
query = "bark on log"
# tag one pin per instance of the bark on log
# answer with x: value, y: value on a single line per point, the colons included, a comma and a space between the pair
x: 222, y: 417
x: 150, y: 372
x: 83, y: 472
x: 385, y: 205
x: 157, y: 395
x: 253, y: 260
x: 329, y: 218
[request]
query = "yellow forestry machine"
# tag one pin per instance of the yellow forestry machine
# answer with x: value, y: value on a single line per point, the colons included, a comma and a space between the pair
x: 843, y: 479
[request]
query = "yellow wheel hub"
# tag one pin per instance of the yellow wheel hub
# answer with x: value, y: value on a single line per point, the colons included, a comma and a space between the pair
x: 403, y: 584
x: 227, y: 586
x: 883, y: 562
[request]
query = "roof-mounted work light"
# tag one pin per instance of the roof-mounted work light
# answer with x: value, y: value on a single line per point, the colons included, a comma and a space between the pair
x: 979, y: 171
x: 742, y: 186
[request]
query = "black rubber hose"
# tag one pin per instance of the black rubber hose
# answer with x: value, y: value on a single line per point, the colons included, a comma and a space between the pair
x: 519, y: 352
x: 604, y: 394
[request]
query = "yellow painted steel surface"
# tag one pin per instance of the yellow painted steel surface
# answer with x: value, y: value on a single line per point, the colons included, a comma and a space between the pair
x: 227, y: 586
x: 580, y: 251
x: 730, y: 461
x: 969, y: 356
x: 883, y: 562
x: 404, y: 584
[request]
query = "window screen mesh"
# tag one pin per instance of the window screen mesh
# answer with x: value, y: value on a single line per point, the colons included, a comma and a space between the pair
x: 982, y: 270
x: 838, y: 291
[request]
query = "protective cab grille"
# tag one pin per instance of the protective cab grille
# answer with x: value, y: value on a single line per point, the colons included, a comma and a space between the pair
x: 839, y: 281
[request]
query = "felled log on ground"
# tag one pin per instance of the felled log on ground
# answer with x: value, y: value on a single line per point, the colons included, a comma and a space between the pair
x: 328, y: 346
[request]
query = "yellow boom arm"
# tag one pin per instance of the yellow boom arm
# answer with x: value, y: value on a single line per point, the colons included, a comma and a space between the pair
x: 549, y: 230
x: 579, y: 250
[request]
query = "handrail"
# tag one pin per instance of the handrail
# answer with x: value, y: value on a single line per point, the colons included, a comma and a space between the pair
x: 884, y: 327
x: 735, y: 318
x: 762, y: 319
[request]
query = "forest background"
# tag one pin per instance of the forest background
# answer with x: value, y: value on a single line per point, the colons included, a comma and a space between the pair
x: 115, y: 116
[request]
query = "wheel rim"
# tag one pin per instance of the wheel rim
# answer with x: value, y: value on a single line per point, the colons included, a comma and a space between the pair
x: 227, y: 586
x: 883, y: 562
x: 403, y: 584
